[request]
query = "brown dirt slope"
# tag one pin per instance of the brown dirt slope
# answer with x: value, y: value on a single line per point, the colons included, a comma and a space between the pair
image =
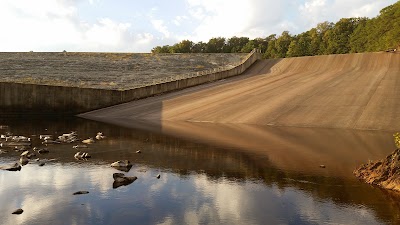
x: 356, y: 91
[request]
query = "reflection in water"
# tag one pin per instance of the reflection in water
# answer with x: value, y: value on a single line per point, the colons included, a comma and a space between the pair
x: 230, y: 181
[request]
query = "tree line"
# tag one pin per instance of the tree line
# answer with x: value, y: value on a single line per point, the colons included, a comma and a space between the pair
x: 348, y: 35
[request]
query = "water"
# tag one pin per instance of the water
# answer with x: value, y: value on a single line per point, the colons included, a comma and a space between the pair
x: 272, y: 178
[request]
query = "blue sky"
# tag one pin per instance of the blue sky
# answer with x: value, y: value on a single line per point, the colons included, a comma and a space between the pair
x: 138, y: 26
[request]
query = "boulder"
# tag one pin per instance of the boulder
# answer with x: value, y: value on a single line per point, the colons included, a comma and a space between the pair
x: 15, y: 167
x: 121, y: 180
x: 23, y: 160
x: 81, y: 193
x: 18, y: 211
x: 124, y: 165
x: 384, y: 173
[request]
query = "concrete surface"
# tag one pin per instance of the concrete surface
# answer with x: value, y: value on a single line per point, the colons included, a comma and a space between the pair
x: 353, y: 91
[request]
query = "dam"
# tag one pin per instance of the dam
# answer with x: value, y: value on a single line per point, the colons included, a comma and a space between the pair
x: 59, y: 84
x: 351, y: 91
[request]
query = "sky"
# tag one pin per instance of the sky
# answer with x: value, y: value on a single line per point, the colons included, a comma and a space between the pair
x: 139, y: 26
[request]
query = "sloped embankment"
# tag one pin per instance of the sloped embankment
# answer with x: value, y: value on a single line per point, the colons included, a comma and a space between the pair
x: 353, y: 91
x: 105, y: 70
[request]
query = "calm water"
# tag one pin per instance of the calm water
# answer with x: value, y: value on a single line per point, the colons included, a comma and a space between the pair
x: 272, y: 178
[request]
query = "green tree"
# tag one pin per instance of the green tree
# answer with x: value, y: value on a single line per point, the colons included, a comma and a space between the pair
x: 199, y: 47
x: 216, y: 45
x: 282, y: 44
x: 235, y: 44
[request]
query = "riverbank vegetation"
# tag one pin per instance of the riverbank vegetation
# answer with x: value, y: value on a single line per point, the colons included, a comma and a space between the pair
x: 348, y: 35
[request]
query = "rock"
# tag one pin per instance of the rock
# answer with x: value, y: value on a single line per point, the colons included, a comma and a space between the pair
x: 100, y: 136
x: 121, y: 180
x: 122, y: 165
x: 158, y: 176
x: 15, y: 167
x: 82, y: 155
x: 384, y: 173
x: 21, y: 148
x: 42, y: 164
x: 69, y: 137
x: 138, y: 151
x: 24, y: 160
x: 15, y: 144
x: 28, y: 154
x: 81, y: 193
x: 18, y: 211
x: 88, y: 141
x: 79, y: 146
x: 3, y: 127
x: 45, y: 137
x: 43, y: 151
x: 48, y: 141
x: 2, y: 151
x: 322, y: 166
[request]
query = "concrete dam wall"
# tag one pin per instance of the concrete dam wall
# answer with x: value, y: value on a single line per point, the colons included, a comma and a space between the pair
x: 352, y: 91
x: 25, y: 98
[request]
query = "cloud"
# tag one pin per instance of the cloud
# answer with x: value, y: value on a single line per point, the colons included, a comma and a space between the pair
x: 258, y: 18
x: 313, y: 12
x: 56, y: 26
x: 160, y: 27
x: 101, y: 25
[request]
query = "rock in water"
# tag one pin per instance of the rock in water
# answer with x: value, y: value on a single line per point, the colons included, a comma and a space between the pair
x: 18, y: 211
x: 15, y: 167
x: 81, y: 193
x: 121, y: 180
x: 384, y: 173
x: 124, y: 165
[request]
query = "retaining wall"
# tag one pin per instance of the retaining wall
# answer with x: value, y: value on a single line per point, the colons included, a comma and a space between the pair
x: 22, y: 99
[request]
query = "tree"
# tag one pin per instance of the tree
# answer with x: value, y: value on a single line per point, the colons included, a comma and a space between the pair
x: 163, y: 49
x: 282, y: 44
x: 235, y: 44
x: 184, y: 46
x: 199, y: 47
x: 216, y: 45
x: 271, y: 51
